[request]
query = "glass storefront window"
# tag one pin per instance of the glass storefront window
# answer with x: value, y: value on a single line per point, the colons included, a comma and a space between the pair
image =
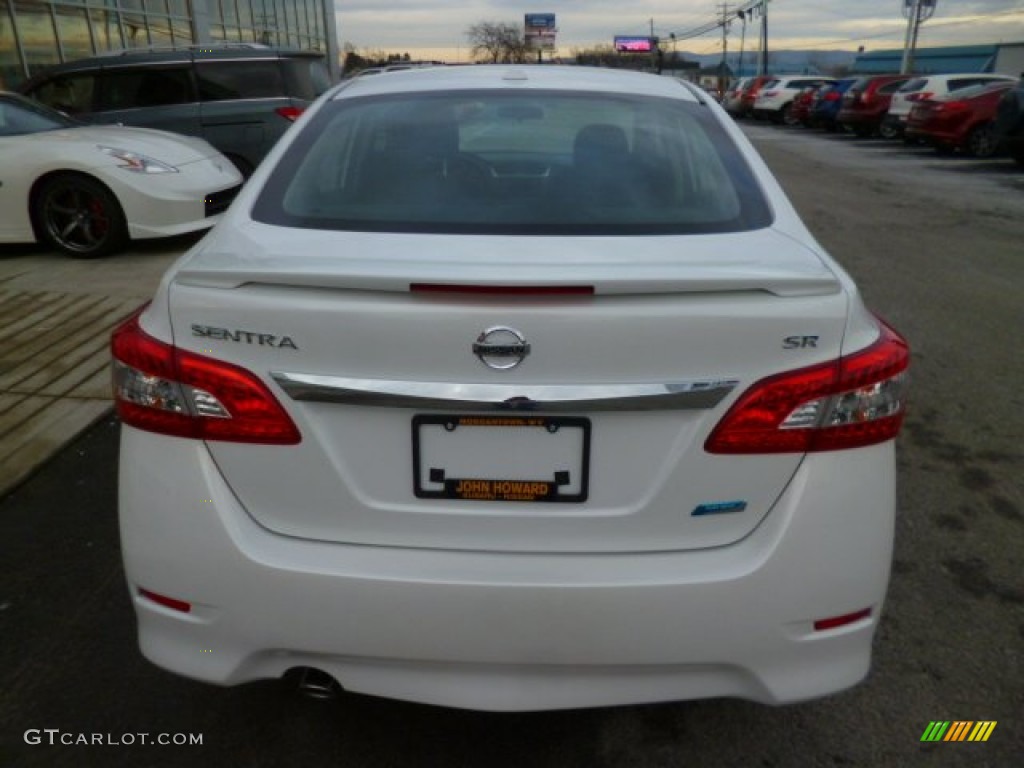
x: 73, y: 26
x: 106, y: 30
x: 37, y: 33
x: 245, y: 16
x: 182, y: 31
x: 160, y: 30
x: 11, y: 71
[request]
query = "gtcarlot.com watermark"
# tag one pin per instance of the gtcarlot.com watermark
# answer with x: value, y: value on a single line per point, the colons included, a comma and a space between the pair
x: 56, y: 737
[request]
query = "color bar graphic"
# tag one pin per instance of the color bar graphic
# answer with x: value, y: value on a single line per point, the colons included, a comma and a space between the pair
x: 958, y: 730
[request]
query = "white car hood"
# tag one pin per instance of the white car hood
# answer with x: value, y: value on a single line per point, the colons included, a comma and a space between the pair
x: 169, y: 148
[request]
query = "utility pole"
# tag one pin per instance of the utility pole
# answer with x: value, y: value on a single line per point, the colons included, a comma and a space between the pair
x: 762, y: 67
x: 743, y: 39
x: 917, y: 12
x: 722, y: 77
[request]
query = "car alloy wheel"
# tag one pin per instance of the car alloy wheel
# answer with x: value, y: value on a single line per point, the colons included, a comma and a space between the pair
x: 787, y: 115
x: 79, y: 216
x: 888, y: 131
x: 982, y: 142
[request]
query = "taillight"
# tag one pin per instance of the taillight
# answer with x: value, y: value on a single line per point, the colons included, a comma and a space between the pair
x: 290, y: 113
x: 160, y: 388
x: 847, y: 403
x: 833, y: 96
x: 920, y: 96
x: 770, y: 94
x: 951, y: 106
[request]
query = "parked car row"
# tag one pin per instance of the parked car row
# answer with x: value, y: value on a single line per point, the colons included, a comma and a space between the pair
x: 976, y: 114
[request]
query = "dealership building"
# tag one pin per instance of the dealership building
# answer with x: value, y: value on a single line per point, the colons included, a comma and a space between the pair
x: 35, y: 34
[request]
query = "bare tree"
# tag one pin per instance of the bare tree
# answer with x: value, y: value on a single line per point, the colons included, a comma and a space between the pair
x: 497, y: 41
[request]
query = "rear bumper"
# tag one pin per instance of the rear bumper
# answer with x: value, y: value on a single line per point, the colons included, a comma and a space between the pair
x: 510, y: 631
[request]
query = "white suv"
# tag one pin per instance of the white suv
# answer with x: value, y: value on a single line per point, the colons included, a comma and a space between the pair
x: 775, y: 99
x: 511, y: 387
x: 927, y: 87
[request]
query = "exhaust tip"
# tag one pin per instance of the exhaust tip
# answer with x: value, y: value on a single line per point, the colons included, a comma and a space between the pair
x: 315, y: 684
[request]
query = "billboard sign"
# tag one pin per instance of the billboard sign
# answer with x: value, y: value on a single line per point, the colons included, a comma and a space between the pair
x: 540, y: 31
x: 634, y: 44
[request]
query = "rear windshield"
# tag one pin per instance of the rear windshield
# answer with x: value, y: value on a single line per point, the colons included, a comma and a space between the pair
x: 306, y: 77
x: 546, y: 162
x: 913, y: 85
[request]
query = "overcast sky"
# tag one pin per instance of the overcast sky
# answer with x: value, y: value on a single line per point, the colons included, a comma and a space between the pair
x: 436, y: 29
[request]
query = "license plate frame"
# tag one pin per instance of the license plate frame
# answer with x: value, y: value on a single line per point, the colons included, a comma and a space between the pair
x: 517, y: 489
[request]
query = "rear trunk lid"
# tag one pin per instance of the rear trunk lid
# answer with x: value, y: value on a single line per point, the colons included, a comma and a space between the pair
x: 592, y: 443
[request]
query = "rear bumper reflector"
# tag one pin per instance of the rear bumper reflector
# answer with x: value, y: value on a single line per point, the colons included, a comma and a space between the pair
x: 167, y: 602
x: 841, y: 621
x: 678, y: 395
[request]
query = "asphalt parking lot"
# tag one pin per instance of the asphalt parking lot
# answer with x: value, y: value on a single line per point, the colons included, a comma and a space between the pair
x: 936, y: 246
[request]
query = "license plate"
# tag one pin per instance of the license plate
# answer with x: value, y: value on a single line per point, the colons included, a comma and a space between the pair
x: 501, y: 458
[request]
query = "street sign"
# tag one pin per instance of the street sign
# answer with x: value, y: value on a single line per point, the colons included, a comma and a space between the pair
x: 540, y: 31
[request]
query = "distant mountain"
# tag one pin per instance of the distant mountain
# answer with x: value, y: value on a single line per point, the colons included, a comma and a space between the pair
x: 779, y: 62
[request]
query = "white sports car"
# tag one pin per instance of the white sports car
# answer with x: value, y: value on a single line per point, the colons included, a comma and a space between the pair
x: 87, y: 190
x: 511, y: 387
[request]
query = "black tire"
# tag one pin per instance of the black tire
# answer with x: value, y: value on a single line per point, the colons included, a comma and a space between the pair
x: 78, y: 216
x: 888, y: 131
x: 787, y: 117
x: 982, y: 142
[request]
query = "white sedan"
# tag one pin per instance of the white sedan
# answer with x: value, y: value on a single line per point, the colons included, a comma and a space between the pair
x: 87, y: 190
x: 511, y: 387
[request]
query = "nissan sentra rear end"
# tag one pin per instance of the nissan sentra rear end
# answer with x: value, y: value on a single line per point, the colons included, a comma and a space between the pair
x: 511, y: 388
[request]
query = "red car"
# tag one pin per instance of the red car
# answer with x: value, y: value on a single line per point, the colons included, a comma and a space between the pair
x: 963, y: 119
x: 745, y: 104
x: 800, y: 112
x: 867, y: 102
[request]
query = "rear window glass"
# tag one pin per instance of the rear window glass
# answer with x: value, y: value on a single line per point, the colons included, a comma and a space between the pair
x: 892, y: 87
x: 144, y: 87
x: 913, y: 85
x: 546, y: 162
x: 307, y: 78
x: 71, y: 94
x: 229, y: 80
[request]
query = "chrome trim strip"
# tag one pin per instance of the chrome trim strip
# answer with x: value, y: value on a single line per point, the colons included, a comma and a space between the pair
x: 440, y: 395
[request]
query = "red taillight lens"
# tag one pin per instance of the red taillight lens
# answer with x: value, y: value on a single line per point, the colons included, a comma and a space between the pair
x: 951, y: 106
x: 851, y: 402
x: 160, y: 388
x: 290, y: 113
x: 504, y: 290
x: 833, y: 96
x: 770, y: 94
x: 919, y: 96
